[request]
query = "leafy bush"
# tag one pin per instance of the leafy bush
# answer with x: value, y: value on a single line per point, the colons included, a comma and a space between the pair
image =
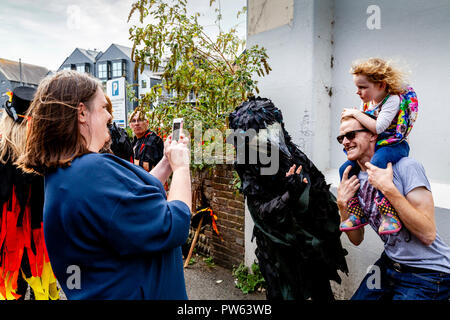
x: 202, y: 78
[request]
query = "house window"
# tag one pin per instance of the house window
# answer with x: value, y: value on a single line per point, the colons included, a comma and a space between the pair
x: 103, y: 71
x: 154, y: 82
x: 83, y: 68
x: 66, y: 68
x: 144, y: 84
x: 118, y: 69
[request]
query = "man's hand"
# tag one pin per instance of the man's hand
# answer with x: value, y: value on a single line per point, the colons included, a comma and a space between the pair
x: 381, y: 179
x: 347, y: 188
x: 416, y: 209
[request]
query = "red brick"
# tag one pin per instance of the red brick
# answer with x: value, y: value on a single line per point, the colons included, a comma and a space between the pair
x: 236, y: 204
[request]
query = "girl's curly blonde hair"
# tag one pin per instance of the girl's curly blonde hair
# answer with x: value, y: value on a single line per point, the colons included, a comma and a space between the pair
x: 378, y: 70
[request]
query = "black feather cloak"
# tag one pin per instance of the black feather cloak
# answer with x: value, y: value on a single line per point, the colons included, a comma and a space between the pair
x: 296, y: 223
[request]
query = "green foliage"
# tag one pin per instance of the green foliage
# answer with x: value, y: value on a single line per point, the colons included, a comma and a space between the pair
x: 236, y: 183
x: 248, y: 281
x: 218, y: 72
x: 192, y: 261
x: 209, y: 262
x: 129, y: 132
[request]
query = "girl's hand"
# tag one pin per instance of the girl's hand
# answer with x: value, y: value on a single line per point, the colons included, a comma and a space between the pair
x: 349, y: 112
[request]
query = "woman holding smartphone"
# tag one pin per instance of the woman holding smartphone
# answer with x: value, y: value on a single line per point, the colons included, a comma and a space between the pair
x: 110, y: 231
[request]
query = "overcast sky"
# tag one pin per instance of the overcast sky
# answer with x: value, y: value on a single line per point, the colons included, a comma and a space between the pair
x: 45, y: 32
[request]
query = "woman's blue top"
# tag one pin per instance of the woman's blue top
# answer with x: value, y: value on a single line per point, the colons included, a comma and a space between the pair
x: 111, y: 233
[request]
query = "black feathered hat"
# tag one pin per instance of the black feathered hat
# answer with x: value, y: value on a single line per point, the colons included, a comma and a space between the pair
x: 256, y: 113
x: 21, y: 100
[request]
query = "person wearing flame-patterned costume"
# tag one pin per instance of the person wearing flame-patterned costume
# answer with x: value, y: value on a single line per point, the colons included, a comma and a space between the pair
x: 23, y: 256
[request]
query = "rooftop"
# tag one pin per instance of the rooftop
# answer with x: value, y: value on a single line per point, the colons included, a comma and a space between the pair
x: 31, y: 74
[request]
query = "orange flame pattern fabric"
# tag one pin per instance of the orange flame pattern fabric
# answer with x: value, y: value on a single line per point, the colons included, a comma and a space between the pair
x: 15, y: 239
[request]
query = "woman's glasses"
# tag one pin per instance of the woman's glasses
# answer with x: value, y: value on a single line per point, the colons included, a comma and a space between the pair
x: 349, y: 135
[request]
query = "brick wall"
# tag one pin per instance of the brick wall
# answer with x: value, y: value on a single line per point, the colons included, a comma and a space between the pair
x: 228, y: 205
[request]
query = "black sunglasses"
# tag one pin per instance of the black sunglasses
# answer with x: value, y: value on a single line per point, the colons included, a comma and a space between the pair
x: 349, y: 135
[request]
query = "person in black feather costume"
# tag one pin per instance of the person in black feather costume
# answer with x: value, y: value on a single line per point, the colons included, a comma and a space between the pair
x: 296, y: 216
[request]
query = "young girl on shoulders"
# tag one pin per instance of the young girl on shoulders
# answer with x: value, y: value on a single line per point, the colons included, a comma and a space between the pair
x: 388, y: 109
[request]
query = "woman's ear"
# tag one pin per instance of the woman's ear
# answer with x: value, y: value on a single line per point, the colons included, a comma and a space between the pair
x: 82, y: 113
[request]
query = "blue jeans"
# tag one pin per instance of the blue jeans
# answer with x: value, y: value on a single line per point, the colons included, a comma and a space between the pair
x: 396, y: 285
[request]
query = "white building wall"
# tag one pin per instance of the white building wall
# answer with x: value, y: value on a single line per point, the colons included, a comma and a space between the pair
x: 290, y: 48
x: 289, y: 83
x: 416, y: 35
x: 313, y: 53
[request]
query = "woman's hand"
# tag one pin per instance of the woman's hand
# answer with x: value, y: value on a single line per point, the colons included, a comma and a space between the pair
x: 183, y: 139
x: 177, y: 152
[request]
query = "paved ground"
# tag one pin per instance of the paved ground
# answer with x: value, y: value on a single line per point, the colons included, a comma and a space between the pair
x: 208, y: 283
x: 216, y: 283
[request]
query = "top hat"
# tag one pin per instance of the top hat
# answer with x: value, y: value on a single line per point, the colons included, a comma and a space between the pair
x: 21, y: 100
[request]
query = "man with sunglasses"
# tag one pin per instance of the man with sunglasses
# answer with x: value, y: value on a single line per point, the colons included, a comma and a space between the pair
x: 415, y: 264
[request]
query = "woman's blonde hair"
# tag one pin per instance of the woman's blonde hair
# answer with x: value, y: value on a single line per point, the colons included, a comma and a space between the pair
x: 378, y: 70
x: 12, y: 138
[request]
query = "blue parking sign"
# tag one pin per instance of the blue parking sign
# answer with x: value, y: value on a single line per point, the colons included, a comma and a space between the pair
x: 115, y: 88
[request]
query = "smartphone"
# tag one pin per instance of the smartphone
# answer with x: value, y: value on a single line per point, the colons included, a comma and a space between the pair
x: 176, y: 128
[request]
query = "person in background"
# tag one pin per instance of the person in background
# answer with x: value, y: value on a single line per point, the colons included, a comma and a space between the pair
x: 148, y: 146
x: 23, y: 256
